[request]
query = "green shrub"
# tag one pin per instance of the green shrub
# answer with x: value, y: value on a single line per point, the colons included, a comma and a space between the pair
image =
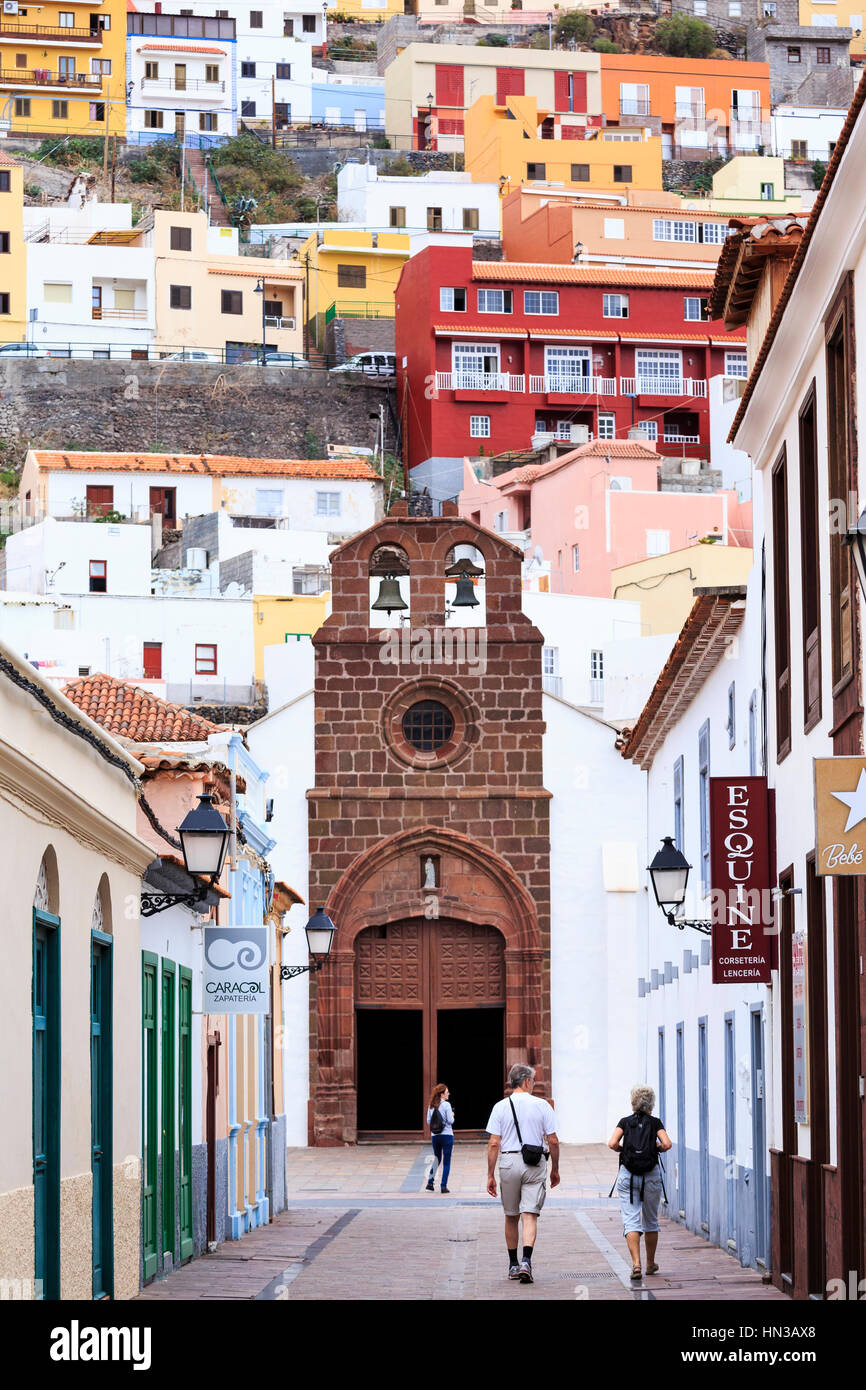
x: 819, y: 169
x: 684, y: 36
x: 69, y: 153
x: 380, y: 142
x: 160, y: 163
x: 606, y: 45
x: 575, y: 24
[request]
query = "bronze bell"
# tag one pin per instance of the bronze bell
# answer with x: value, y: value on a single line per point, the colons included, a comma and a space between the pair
x: 389, y: 599
x: 465, y: 595
x: 463, y: 568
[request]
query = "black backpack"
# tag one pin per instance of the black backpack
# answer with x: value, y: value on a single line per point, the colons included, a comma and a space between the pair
x: 437, y: 1123
x: 639, y: 1151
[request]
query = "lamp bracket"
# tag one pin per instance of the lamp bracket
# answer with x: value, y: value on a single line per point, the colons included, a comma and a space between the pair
x: 151, y: 903
x: 288, y: 972
x: 682, y: 922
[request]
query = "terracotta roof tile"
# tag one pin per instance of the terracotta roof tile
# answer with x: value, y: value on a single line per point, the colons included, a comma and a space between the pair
x: 217, y: 465
x: 7, y: 158
x: 134, y: 714
x: 529, y: 271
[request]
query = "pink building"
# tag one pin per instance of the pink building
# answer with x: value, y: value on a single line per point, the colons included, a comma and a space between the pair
x: 598, y: 507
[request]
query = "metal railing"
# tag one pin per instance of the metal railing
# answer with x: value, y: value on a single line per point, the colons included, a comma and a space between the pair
x: 44, y: 77
x: 634, y: 108
x: 274, y: 322
x: 144, y: 350
x: 358, y: 309
x: 33, y: 33
x: 573, y: 385
x: 671, y: 437
x: 688, y: 111
x: 662, y: 386
x: 552, y: 684
x: 192, y: 84
x: 97, y: 312
x: 479, y: 381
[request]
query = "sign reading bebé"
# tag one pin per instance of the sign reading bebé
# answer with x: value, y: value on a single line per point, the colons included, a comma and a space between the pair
x: 236, y: 970
x: 740, y: 871
x: 840, y: 815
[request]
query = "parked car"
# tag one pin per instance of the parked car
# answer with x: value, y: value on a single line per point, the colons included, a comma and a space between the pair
x: 193, y: 355
x: 22, y: 350
x: 286, y: 359
x: 370, y: 364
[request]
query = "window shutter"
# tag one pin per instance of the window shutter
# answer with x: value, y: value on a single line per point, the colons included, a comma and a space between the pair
x: 560, y: 91
x: 578, y: 91
x: 509, y: 83
x: 449, y: 85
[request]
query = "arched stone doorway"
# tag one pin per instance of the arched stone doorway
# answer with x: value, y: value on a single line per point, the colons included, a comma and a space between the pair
x: 421, y: 950
x: 429, y: 1006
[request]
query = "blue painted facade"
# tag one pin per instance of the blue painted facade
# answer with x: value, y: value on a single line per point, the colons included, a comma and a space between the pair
x: 343, y: 104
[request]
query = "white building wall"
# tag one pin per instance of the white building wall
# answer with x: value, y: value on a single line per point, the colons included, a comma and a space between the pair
x: 196, y: 97
x: 819, y: 126
x: 724, y: 394
x: 54, y: 557
x: 366, y: 196
x: 67, y: 491
x: 359, y: 503
x: 269, y: 45
x: 576, y: 626
x: 597, y: 844
x: 55, y: 268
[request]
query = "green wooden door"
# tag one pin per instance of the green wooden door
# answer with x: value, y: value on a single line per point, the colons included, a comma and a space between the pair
x: 101, y: 1118
x: 46, y: 1103
x: 184, y: 1146
x: 149, y: 1112
x: 167, y: 1103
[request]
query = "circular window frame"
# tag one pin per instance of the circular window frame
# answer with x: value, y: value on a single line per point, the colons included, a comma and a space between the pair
x: 458, y: 705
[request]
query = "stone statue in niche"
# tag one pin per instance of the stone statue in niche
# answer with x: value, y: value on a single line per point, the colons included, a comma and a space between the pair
x: 429, y: 873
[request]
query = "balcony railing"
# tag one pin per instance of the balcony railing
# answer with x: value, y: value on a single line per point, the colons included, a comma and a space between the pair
x: 671, y: 437
x: 121, y: 314
x: 596, y: 692
x: 36, y: 33
x: 192, y: 84
x: 274, y: 322
x: 567, y: 385
x: 634, y: 108
x: 687, y: 111
x: 44, y: 77
x: 479, y: 381
x: 662, y: 386
x: 552, y: 684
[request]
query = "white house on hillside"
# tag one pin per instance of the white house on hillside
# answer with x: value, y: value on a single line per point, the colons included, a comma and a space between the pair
x: 438, y: 201
x: 181, y: 78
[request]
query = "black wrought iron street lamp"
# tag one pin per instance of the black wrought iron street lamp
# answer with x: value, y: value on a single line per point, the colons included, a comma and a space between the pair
x: 669, y: 874
x: 204, y: 840
x: 856, y: 538
x: 320, y: 938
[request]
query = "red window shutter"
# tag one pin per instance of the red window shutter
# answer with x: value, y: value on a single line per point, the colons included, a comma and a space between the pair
x: 449, y: 85
x: 572, y: 132
x: 152, y: 660
x: 100, y: 499
x: 578, y: 91
x: 560, y: 91
x: 509, y: 83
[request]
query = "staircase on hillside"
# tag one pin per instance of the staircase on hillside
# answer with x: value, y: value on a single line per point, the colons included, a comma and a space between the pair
x: 216, y: 209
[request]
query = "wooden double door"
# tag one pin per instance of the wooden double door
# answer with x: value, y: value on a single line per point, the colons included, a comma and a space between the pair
x: 429, y: 1007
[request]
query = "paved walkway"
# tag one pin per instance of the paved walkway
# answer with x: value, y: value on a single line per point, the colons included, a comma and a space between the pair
x: 361, y: 1226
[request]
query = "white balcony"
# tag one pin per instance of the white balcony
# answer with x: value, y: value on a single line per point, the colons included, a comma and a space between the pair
x: 479, y: 381
x: 195, y: 87
x: 573, y: 385
x: 552, y: 684
x: 274, y: 322
x: 564, y: 434
x: 596, y: 692
x: 663, y: 386
x: 671, y: 437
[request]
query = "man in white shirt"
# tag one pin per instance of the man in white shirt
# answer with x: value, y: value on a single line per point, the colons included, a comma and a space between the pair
x: 521, y: 1119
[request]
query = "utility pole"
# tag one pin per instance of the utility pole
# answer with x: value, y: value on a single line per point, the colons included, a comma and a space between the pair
x: 273, y: 112
x: 113, y: 165
x: 307, y: 305
x: 106, y: 111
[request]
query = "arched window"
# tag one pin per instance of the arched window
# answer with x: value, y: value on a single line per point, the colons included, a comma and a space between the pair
x: 462, y: 587
x: 101, y: 916
x: 46, y: 895
x: 389, y: 586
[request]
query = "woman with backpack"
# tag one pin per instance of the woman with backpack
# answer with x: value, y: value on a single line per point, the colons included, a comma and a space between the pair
x: 638, y: 1139
x: 440, y: 1118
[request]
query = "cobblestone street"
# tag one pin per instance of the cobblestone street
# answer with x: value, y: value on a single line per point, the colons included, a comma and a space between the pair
x: 361, y: 1226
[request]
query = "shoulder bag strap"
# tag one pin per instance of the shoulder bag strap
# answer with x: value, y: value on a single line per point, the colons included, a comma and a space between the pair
x: 516, y: 1124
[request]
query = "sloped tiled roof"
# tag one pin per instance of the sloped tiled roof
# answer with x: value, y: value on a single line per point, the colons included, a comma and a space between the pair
x: 135, y: 714
x: 215, y: 465
x: 699, y: 277
x: 743, y: 258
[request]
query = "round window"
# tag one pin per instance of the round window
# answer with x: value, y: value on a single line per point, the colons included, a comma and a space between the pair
x: 427, y: 725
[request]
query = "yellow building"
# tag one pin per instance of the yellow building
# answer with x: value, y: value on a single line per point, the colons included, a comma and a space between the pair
x: 63, y: 67
x: 749, y: 185
x: 207, y: 297
x: 279, y: 620
x: 839, y: 14
x: 518, y: 143
x: 350, y: 274
x: 13, y: 267
x: 664, y: 585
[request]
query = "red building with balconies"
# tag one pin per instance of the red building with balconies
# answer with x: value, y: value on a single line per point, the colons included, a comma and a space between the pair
x: 492, y: 355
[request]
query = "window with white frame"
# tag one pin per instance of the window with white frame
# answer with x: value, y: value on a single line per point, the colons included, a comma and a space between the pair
x: 634, y: 99
x: 479, y: 426
x: 658, y: 543
x: 452, y: 298
x: 736, y: 364
x: 494, y: 301
x: 327, y: 504
x: 700, y: 7
x: 575, y: 558
x: 500, y: 521
x: 540, y: 302
x: 596, y: 665
x: 674, y: 229
x: 567, y: 363
x: 678, y: 804
x: 696, y: 308
x: 732, y: 714
x: 269, y: 501
x: 550, y: 661
x: 704, y: 798
x: 650, y: 428
x: 690, y: 103
x: 655, y: 364
x: 606, y: 426
x: 615, y: 306
x: 714, y: 233
x: 735, y: 9
x: 475, y: 360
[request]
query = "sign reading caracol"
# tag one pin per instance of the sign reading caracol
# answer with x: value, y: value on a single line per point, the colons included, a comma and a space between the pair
x: 740, y: 865
x: 236, y: 970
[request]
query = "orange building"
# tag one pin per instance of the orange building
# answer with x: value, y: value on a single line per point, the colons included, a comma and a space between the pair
x: 701, y: 107
x: 636, y: 225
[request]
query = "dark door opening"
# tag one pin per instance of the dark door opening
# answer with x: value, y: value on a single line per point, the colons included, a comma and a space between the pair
x: 390, y: 1059
x: 470, y: 1060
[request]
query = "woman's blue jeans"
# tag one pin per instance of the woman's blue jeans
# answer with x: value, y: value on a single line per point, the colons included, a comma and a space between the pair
x: 442, y: 1146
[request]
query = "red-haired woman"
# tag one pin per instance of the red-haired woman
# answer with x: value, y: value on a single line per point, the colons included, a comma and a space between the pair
x: 441, y: 1134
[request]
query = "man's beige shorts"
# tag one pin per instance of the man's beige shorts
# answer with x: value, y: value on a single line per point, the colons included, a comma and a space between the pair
x: 521, y: 1188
